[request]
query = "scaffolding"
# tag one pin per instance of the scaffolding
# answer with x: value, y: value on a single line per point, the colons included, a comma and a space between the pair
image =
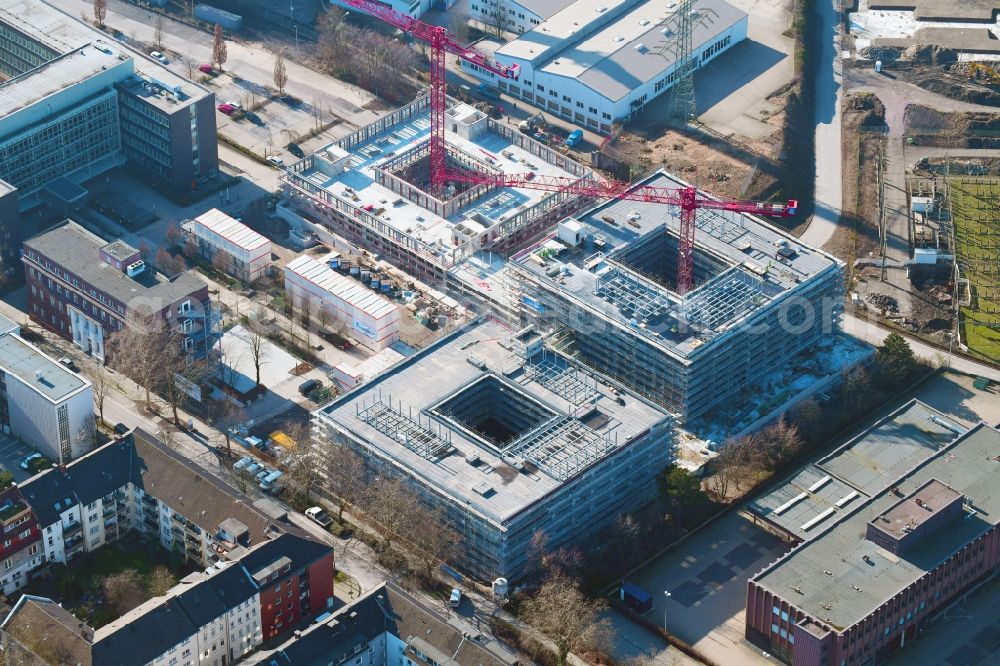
x: 720, y: 224
x: 398, y: 423
x: 636, y: 299
x: 562, y: 378
x: 561, y: 448
x: 723, y: 298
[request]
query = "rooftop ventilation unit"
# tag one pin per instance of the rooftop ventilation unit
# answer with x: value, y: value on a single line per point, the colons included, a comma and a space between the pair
x: 136, y: 268
x: 601, y: 9
x: 644, y: 22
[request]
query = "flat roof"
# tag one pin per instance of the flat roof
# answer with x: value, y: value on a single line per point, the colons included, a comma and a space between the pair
x: 823, y: 493
x: 405, y: 216
x: 231, y: 229
x: 78, y: 251
x: 345, y: 288
x: 159, y: 86
x: 613, y: 47
x: 56, y: 75
x: 913, y: 511
x: 830, y: 578
x: 748, y: 245
x: 45, y: 24
x: 545, y: 8
x: 37, y: 370
x: 478, y: 352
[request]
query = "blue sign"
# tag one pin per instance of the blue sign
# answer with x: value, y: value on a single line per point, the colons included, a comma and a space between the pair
x: 533, y: 304
x: 364, y: 328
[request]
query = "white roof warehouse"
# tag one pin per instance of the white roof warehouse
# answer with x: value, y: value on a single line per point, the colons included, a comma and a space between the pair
x: 597, y: 61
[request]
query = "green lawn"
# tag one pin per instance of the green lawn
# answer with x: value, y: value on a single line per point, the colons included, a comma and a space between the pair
x: 976, y: 208
x: 78, y: 586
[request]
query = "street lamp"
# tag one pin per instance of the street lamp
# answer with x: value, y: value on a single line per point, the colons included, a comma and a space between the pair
x: 666, y: 595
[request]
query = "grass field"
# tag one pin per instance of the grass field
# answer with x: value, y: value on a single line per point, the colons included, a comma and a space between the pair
x: 976, y: 209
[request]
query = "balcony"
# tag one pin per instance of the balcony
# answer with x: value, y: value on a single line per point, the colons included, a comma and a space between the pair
x: 74, y: 545
x: 149, y: 499
x: 110, y: 509
x: 151, y: 520
x: 72, y: 529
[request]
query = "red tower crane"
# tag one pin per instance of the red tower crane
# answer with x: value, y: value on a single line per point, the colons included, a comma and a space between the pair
x: 688, y: 199
x: 441, y: 43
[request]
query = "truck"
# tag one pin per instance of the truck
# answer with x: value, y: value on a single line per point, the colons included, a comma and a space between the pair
x: 488, y: 91
x: 636, y: 598
x: 531, y: 124
x: 575, y: 137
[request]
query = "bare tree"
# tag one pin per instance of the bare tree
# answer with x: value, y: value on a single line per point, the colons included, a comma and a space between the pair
x: 280, y: 73
x: 164, y: 261
x: 562, y: 612
x: 302, y: 461
x: 388, y: 504
x: 158, y: 26
x: 434, y: 538
x: 174, y: 235
x: 499, y: 19
x: 123, y: 590
x: 133, y: 351
x: 100, y: 11
x: 347, y: 478
x: 160, y: 580
x: 222, y: 261
x: 101, y: 381
x: 219, y: 53
x: 256, y: 343
x: 229, y: 416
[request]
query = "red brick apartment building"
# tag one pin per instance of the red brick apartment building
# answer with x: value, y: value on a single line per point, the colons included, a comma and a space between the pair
x: 861, y: 590
x: 295, y: 579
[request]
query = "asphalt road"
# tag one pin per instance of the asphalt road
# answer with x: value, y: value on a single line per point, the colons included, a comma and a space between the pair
x: 829, y: 94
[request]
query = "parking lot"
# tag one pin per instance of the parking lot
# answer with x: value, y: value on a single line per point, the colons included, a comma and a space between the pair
x: 707, y: 581
x: 12, y: 452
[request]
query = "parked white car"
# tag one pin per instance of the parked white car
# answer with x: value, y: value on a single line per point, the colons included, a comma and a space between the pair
x: 156, y: 55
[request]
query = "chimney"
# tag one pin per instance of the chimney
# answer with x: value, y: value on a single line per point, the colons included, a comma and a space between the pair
x: 39, y: 376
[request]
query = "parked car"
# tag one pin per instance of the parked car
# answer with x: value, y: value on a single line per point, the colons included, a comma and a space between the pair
x: 68, y: 362
x: 319, y: 516
x: 26, y: 463
x: 276, y: 161
x: 270, y: 482
x: 263, y: 474
x: 235, y: 105
x: 455, y: 600
x: 245, y: 461
x: 121, y: 428
x: 156, y: 55
x: 294, y: 149
x: 253, y: 468
x: 205, y: 68
x: 306, y: 387
x: 227, y: 109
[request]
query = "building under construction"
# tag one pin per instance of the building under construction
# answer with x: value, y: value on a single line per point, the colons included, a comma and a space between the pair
x: 374, y: 187
x: 602, y: 289
x: 506, y: 439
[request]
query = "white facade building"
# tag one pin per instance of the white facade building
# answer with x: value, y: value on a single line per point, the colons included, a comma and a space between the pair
x: 514, y: 16
x: 373, y: 319
x: 248, y: 253
x: 598, y: 61
x: 43, y: 403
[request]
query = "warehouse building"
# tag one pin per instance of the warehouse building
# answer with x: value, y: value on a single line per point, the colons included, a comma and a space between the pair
x: 517, y: 16
x: 329, y: 298
x: 43, y: 403
x: 865, y: 586
x: 599, y: 61
x: 506, y: 439
x: 74, y: 104
x: 602, y: 287
x: 229, y: 244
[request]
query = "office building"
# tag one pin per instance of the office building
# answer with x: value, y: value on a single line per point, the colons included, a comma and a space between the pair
x: 331, y: 298
x: 903, y: 545
x: 506, y: 440
x: 595, y: 62
x: 43, y: 403
x: 385, y: 626
x: 229, y: 245
x: 85, y: 289
x: 602, y: 288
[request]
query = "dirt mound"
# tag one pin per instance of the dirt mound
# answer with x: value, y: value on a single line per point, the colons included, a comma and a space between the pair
x: 864, y: 110
x: 928, y: 127
x: 929, y: 53
x: 956, y: 90
x: 960, y: 166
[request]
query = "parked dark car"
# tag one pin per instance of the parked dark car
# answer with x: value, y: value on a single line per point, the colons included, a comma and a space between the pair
x: 121, y: 428
x: 309, y: 385
x: 294, y: 149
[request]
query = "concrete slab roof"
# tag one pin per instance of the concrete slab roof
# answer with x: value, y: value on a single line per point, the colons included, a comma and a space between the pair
x: 46, y: 25
x: 830, y: 578
x: 37, y: 370
x: 489, y: 485
x: 613, y: 47
x: 545, y: 8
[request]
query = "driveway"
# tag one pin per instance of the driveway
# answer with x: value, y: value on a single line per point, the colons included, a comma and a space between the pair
x: 12, y: 452
x: 829, y: 96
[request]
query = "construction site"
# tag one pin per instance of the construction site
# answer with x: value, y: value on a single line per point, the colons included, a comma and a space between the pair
x: 506, y: 439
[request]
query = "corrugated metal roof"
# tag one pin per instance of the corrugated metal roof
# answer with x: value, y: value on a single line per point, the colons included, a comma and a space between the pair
x: 232, y: 230
x: 340, y: 286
